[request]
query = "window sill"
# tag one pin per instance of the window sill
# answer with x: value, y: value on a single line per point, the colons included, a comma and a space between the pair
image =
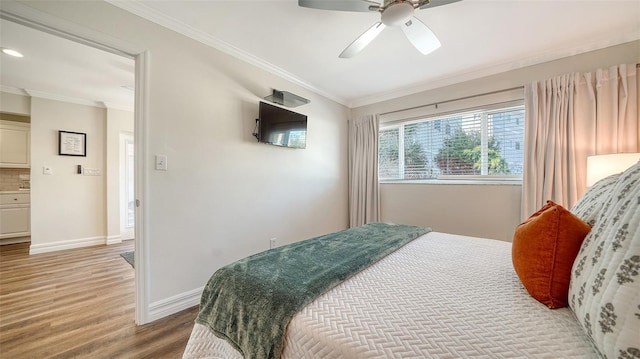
x: 492, y: 182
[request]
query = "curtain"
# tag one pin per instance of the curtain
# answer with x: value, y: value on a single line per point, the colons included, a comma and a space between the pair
x: 364, y: 203
x: 569, y: 118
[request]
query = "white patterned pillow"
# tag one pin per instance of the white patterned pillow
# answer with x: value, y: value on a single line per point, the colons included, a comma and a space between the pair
x: 589, y: 206
x: 604, y: 292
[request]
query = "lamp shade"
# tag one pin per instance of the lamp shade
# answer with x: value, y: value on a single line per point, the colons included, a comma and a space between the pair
x: 601, y: 166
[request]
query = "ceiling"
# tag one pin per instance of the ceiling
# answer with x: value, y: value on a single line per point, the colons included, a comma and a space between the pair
x: 479, y: 38
x: 61, y: 69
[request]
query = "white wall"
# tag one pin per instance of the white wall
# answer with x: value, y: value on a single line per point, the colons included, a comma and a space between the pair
x: 16, y: 104
x: 224, y: 195
x: 118, y: 121
x: 487, y: 211
x: 67, y: 209
x: 481, y: 210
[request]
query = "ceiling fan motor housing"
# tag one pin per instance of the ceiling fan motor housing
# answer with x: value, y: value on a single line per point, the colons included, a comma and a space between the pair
x: 397, y: 13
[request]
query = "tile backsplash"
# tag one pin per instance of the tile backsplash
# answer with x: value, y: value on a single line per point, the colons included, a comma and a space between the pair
x: 12, y: 179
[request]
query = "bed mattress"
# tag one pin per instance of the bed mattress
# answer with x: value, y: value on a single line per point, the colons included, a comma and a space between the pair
x: 440, y: 296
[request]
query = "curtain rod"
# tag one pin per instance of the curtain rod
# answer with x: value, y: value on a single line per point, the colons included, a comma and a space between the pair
x: 457, y: 99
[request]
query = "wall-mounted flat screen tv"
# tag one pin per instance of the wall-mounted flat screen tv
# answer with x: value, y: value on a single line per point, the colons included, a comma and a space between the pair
x: 281, y: 127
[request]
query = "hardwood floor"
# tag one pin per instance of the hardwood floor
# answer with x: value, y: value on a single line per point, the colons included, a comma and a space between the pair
x: 79, y: 303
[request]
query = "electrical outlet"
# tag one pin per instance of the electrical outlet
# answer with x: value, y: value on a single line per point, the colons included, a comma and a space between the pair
x: 272, y: 243
x: 91, y: 171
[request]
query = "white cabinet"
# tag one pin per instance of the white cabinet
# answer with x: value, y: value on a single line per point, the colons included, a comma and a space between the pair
x: 15, y: 214
x: 15, y: 144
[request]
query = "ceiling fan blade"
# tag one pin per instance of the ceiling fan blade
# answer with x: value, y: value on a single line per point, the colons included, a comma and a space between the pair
x: 435, y: 3
x: 339, y: 5
x: 362, y: 41
x: 420, y: 35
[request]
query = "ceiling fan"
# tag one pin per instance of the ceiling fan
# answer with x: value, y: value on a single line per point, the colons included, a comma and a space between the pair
x: 393, y: 13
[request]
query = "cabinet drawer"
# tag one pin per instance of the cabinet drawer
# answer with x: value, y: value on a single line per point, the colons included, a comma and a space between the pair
x: 14, y: 222
x: 14, y: 198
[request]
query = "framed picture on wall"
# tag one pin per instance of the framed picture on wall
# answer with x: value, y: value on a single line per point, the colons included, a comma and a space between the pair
x: 72, y: 143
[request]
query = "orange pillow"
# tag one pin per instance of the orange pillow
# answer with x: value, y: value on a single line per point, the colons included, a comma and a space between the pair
x: 543, y: 250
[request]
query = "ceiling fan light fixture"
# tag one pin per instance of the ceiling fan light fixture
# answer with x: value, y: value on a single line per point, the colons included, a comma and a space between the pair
x: 397, y: 13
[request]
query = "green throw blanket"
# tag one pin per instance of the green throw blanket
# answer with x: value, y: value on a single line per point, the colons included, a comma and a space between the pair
x: 250, y: 302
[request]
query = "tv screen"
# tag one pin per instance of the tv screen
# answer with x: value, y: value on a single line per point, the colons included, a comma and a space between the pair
x: 281, y: 127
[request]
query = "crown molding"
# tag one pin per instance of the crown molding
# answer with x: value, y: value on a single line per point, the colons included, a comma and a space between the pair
x: 68, y: 99
x: 535, y: 59
x: 62, y: 98
x: 13, y: 90
x: 159, y: 18
x: 116, y: 106
x: 138, y: 8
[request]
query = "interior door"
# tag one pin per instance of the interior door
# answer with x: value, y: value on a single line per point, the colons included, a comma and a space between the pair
x: 127, y: 199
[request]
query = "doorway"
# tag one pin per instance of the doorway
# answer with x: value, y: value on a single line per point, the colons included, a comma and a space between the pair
x: 35, y: 20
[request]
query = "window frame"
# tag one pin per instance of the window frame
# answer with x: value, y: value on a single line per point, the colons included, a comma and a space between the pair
x: 483, y: 179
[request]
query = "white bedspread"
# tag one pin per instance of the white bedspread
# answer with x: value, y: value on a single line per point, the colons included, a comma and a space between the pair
x: 440, y: 296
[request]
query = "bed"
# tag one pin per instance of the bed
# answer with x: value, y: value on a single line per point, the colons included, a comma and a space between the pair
x: 448, y: 296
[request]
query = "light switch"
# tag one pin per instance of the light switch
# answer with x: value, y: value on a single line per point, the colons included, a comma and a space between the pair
x: 161, y: 162
x: 47, y: 170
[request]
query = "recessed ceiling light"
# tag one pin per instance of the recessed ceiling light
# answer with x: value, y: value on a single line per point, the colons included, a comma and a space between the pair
x: 12, y: 52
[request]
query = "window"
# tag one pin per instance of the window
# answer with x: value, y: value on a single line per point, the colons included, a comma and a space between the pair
x: 483, y: 143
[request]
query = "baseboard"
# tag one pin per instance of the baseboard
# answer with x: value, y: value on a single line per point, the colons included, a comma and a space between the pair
x: 62, y: 245
x: 15, y: 240
x: 114, y: 239
x: 168, y: 306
